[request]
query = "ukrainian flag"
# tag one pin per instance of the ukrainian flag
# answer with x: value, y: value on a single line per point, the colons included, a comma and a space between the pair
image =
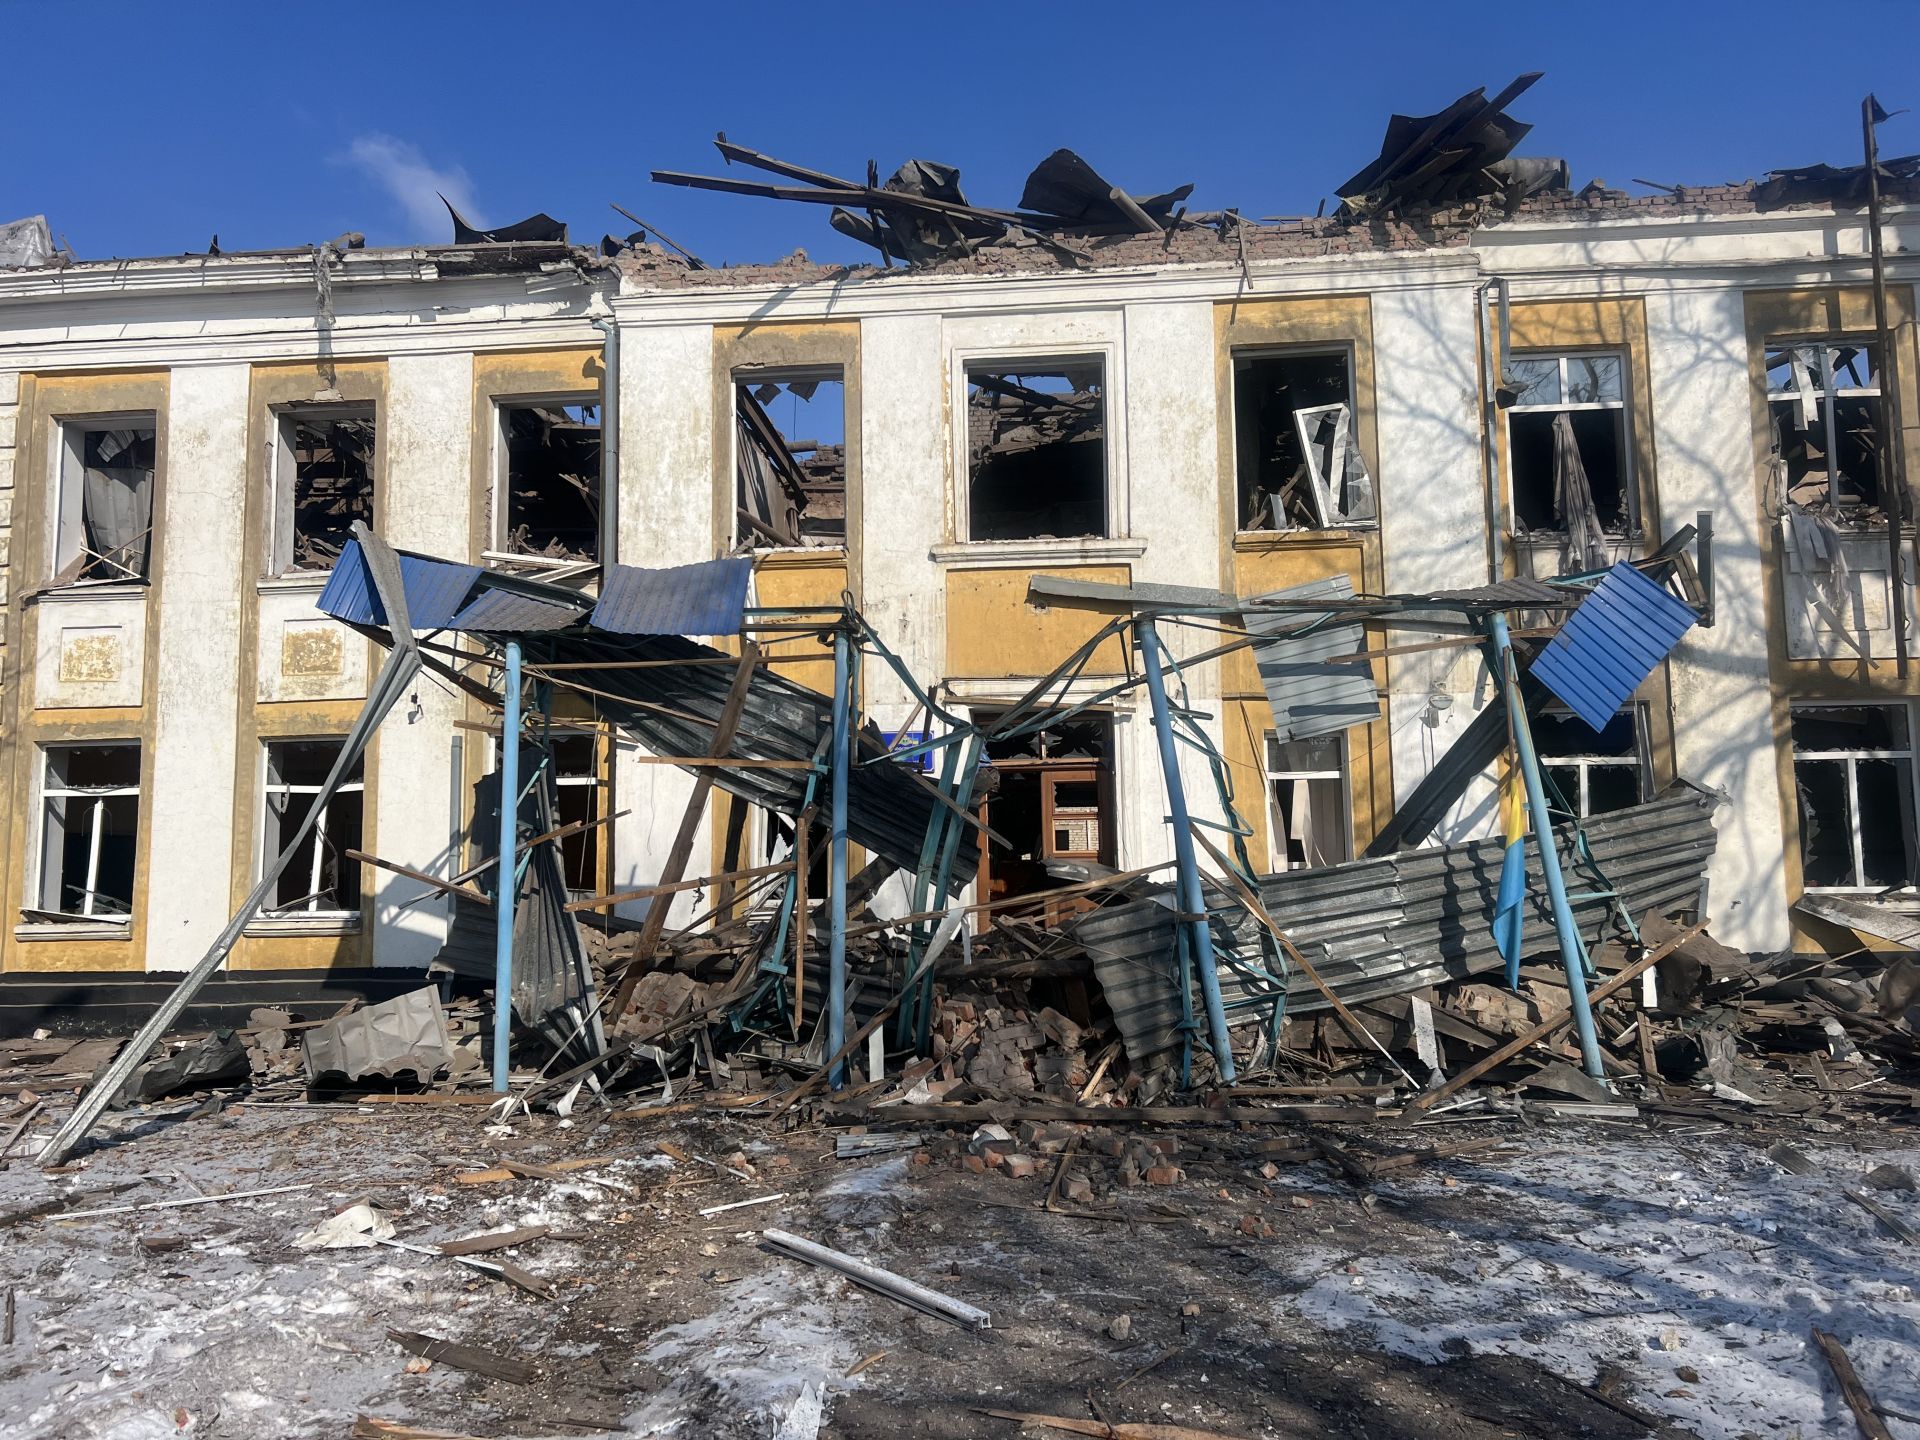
x: 1510, y: 913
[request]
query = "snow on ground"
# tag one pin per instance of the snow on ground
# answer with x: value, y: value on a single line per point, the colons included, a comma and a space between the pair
x: 755, y: 1352
x: 1700, y: 1274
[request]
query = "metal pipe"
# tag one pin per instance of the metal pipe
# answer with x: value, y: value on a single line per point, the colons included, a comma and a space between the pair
x: 1573, y: 953
x: 837, y: 863
x: 1892, y: 477
x: 1192, y: 902
x: 609, y: 441
x: 506, y: 884
x: 1490, y: 368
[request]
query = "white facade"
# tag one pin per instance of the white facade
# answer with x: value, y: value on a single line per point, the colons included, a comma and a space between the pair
x: 212, y: 659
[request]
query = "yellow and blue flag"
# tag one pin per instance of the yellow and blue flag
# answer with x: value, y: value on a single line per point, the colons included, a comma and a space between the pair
x: 1510, y: 911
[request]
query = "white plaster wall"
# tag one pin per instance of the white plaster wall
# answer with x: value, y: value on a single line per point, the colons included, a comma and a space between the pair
x: 429, y: 470
x: 1432, y: 518
x: 903, y: 498
x: 1723, y: 722
x: 666, y: 518
x: 189, y: 778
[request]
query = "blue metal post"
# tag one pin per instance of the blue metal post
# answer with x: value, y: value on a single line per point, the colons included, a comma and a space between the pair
x: 1192, y: 902
x: 1573, y: 953
x: 837, y: 881
x: 506, y: 877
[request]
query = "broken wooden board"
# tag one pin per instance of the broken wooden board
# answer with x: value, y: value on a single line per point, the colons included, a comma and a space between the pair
x: 465, y: 1357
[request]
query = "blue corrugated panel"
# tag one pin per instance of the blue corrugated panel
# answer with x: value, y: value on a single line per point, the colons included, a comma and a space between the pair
x: 503, y: 612
x: 705, y: 599
x: 435, y: 590
x: 1614, y: 640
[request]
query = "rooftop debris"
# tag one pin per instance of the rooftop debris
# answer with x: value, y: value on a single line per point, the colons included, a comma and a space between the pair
x: 1462, y: 153
x: 920, y: 215
x: 535, y: 229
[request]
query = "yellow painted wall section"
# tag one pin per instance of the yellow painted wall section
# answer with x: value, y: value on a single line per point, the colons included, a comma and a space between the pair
x: 793, y: 578
x: 578, y: 374
x: 299, y: 720
x: 1779, y: 315
x: 44, y: 401
x: 1592, y: 324
x: 1261, y: 566
x: 1315, y: 322
x: 994, y: 634
x: 789, y: 345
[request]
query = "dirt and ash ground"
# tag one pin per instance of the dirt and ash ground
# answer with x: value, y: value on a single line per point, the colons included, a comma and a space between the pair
x: 1573, y: 1281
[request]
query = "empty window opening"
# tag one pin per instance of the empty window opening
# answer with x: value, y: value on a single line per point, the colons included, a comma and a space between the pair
x: 1050, y: 794
x: 1595, y: 773
x: 790, y: 459
x: 90, y: 824
x: 1309, y: 802
x: 1296, y: 448
x: 1853, y: 778
x: 319, y: 879
x: 581, y: 791
x: 323, y: 484
x: 1567, y: 448
x: 1823, y: 398
x: 1036, y: 451
x: 104, y: 526
x: 551, y: 486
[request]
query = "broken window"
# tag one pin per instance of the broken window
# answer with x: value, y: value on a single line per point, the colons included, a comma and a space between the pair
x: 1823, y: 398
x: 1036, y: 450
x: 576, y: 776
x: 548, y: 506
x: 90, y: 821
x: 1567, y: 451
x: 1310, y: 805
x: 1051, y: 798
x: 1595, y: 773
x: 323, y: 483
x: 319, y: 879
x: 790, y: 458
x: 104, y: 523
x: 1297, y: 452
x: 1853, y: 777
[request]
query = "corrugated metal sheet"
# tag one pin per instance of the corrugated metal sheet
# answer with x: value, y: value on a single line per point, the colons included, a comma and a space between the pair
x: 705, y: 599
x: 1520, y: 593
x: 1613, y: 641
x: 1309, y: 695
x: 1374, y: 928
x: 553, y: 988
x: 436, y: 589
x: 672, y: 709
x: 498, y: 611
x: 675, y: 710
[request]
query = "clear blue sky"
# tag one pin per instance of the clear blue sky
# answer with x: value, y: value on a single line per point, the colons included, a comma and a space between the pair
x: 279, y: 124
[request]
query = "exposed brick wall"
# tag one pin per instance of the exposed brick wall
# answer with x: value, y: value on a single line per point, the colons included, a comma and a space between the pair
x: 1311, y: 237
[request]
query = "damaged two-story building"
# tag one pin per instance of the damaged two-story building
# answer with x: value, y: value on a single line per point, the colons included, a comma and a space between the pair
x: 1417, y: 397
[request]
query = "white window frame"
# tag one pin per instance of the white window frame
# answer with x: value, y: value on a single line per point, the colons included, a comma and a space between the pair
x: 1852, y: 758
x: 308, y: 910
x: 1036, y: 360
x: 1640, y: 761
x: 829, y: 372
x: 280, y: 526
x: 1825, y: 393
x: 599, y: 776
x: 95, y: 817
x: 549, y: 569
x: 1298, y: 352
x: 65, y: 494
x: 1629, y: 477
x: 1277, y: 858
